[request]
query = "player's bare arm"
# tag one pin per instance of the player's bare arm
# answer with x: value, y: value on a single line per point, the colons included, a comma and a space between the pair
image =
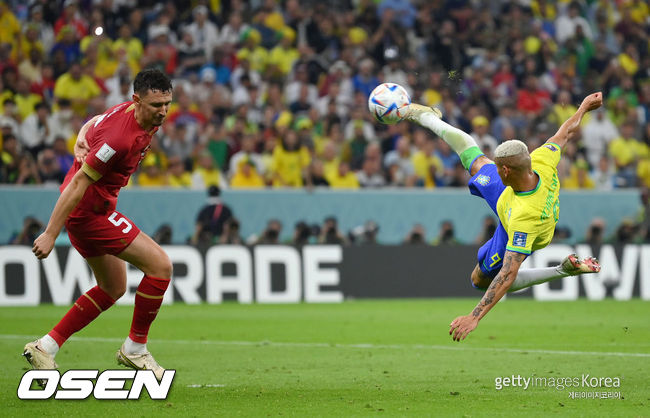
x: 463, y: 325
x: 571, y: 126
x: 68, y: 200
x: 81, y: 147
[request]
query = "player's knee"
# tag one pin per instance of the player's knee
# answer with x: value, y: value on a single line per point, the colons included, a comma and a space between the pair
x: 165, y: 267
x: 114, y: 290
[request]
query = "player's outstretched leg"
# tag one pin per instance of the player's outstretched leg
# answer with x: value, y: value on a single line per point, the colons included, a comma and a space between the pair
x: 570, y: 266
x: 40, y: 353
x: 461, y: 142
x: 146, y: 255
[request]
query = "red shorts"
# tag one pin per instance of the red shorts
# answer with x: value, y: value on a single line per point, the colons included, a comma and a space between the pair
x: 95, y: 234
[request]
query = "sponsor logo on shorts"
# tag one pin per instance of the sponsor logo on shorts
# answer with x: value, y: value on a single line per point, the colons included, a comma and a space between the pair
x: 80, y: 384
x: 551, y: 147
x: 483, y: 180
x: 105, y: 153
x: 519, y: 239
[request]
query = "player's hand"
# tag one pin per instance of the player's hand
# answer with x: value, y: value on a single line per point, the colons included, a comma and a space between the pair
x: 461, y: 326
x: 43, y: 245
x: 81, y: 149
x: 592, y: 102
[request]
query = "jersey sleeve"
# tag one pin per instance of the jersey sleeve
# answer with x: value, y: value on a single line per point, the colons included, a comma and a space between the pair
x: 106, y: 148
x: 548, y: 154
x: 521, y: 236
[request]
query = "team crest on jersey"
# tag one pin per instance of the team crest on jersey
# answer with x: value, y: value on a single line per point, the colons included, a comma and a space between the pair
x: 551, y: 147
x: 483, y: 180
x: 105, y: 153
x: 519, y: 239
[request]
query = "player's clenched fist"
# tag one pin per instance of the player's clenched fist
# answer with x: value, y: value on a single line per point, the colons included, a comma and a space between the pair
x: 593, y: 101
x: 43, y: 245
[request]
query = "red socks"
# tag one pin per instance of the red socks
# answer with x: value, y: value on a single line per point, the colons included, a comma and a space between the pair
x: 85, y: 310
x: 148, y: 299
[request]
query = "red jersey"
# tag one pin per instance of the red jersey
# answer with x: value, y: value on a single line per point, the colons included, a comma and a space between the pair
x: 117, y: 145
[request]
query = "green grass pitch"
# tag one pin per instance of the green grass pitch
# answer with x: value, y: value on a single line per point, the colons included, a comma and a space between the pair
x: 357, y: 358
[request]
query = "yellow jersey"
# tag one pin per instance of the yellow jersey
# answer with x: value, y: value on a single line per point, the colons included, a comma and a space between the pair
x: 529, y: 218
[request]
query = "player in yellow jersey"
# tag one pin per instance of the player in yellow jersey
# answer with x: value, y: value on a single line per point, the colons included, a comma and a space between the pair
x: 523, y: 190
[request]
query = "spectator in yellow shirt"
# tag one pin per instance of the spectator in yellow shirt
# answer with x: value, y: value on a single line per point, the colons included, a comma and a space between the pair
x: 9, y: 26
x: 246, y: 176
x: 76, y: 87
x: 176, y: 174
x: 206, y: 173
x: 128, y: 47
x: 289, y: 162
x: 284, y: 55
x: 150, y: 174
x: 256, y: 55
x: 343, y: 178
x: 426, y: 164
x: 579, y: 177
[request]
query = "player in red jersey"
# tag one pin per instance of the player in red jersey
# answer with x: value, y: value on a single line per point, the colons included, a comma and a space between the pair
x: 109, y: 148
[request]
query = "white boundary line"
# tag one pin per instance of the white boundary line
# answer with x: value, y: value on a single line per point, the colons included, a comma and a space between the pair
x: 27, y: 338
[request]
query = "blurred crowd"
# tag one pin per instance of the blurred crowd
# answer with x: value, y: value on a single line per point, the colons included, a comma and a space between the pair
x: 271, y: 93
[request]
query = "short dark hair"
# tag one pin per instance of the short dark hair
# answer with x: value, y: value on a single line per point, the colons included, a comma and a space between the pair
x: 151, y: 79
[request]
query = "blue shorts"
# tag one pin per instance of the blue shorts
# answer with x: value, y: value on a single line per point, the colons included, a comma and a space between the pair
x: 488, y: 185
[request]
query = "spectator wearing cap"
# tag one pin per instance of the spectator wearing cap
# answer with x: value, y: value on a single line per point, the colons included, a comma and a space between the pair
x: 151, y: 174
x: 128, y: 47
x: 44, y: 28
x: 251, y: 50
x: 247, y: 152
x: 76, y: 87
x: 35, y: 131
x: 71, y: 18
x: 486, y: 142
x: 290, y: 162
x: 204, y: 33
x: 160, y: 52
x: 284, y: 55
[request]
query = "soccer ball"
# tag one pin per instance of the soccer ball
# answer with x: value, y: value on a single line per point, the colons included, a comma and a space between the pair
x: 389, y: 102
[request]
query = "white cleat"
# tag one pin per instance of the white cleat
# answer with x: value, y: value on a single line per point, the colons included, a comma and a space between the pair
x: 573, y: 266
x: 416, y: 110
x: 140, y: 362
x: 39, y: 358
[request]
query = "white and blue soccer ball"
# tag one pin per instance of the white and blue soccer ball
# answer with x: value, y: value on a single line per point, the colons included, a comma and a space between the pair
x: 389, y: 102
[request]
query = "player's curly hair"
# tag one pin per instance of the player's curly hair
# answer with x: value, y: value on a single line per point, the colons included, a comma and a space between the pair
x: 151, y: 79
